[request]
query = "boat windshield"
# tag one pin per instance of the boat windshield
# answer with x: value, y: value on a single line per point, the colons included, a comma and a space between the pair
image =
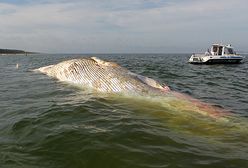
x: 229, y: 51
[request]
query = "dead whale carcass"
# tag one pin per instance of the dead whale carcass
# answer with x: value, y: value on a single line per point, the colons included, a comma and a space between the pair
x: 103, y: 76
x: 109, y: 77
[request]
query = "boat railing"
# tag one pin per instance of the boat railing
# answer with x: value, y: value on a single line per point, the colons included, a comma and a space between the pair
x: 198, y: 54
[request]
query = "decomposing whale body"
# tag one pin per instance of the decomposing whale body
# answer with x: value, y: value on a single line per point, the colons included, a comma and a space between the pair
x: 103, y: 76
x: 108, y: 77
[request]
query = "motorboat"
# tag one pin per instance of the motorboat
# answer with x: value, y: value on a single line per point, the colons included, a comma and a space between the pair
x: 218, y: 54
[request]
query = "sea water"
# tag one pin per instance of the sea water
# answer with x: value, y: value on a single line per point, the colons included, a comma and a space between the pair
x: 47, y: 123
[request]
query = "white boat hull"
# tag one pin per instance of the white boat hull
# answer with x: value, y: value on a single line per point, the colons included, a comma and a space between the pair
x: 203, y: 59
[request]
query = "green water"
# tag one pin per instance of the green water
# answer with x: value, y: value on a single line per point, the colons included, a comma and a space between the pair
x: 47, y: 123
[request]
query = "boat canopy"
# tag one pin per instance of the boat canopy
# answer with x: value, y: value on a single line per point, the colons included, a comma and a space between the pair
x: 219, y: 49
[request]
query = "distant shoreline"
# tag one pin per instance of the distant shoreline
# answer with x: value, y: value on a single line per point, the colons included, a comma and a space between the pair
x: 14, y: 51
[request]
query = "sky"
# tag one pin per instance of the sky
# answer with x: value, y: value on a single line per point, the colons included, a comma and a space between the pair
x: 122, y: 26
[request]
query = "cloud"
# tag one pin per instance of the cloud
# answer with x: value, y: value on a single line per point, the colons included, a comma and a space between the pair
x: 121, y: 26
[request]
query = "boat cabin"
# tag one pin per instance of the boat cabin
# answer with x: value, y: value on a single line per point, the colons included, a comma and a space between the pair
x: 218, y: 49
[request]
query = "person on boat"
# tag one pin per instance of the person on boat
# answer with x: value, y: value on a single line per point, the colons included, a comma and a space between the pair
x: 207, y: 53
